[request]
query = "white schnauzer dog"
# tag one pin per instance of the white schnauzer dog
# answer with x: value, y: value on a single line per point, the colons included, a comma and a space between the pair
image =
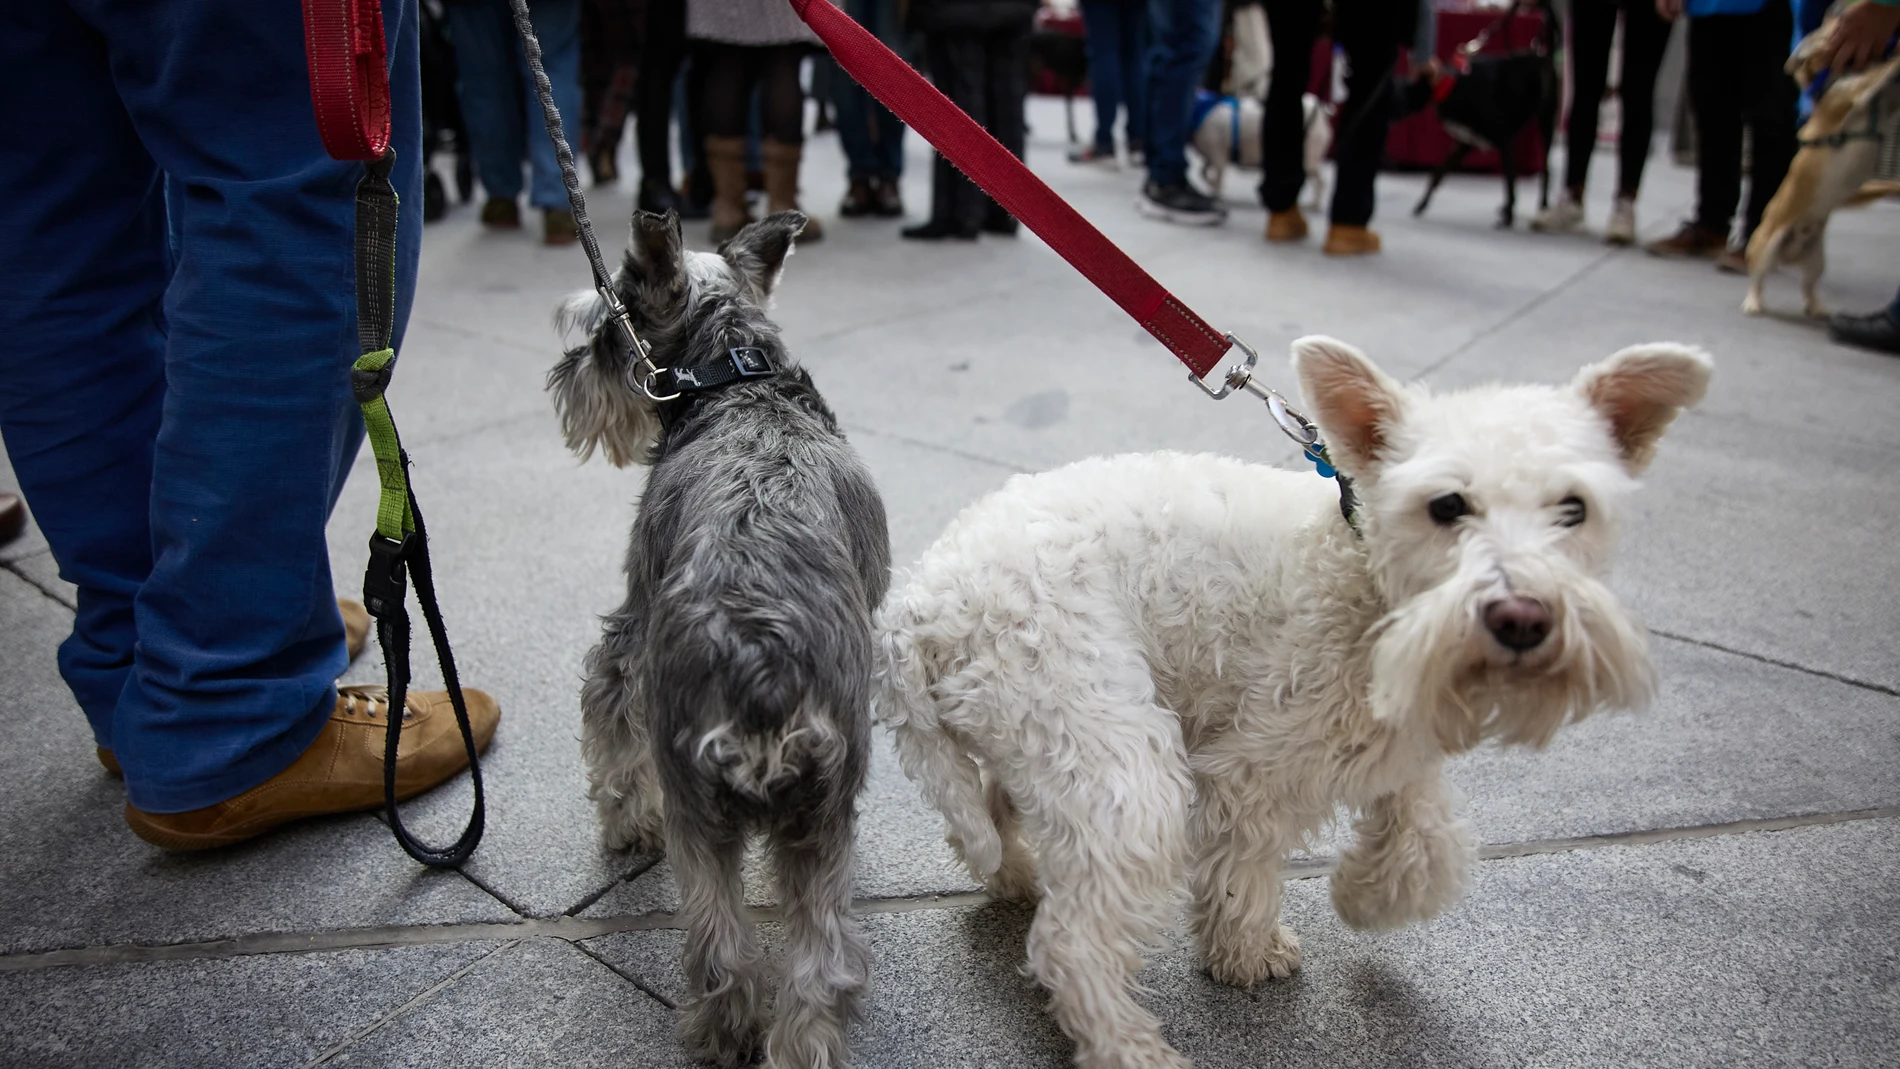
x: 731, y: 691
x: 1143, y: 674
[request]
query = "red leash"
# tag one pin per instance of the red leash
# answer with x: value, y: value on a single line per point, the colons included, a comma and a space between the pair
x: 1020, y: 192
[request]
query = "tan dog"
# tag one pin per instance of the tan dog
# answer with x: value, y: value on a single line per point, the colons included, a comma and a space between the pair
x: 1839, y: 150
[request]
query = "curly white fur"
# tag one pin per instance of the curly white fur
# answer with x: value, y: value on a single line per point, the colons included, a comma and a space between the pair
x: 1143, y: 675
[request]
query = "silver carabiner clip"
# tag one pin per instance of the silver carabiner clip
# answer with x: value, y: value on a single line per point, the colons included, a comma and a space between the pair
x: 1240, y: 377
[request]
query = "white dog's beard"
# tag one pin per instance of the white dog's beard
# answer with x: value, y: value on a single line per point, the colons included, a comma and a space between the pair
x: 1433, y: 659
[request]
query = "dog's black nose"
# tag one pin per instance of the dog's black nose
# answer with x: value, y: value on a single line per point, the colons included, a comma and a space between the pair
x: 1517, y: 622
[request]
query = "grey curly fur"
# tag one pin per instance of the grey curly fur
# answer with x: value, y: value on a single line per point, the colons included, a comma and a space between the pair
x: 730, y: 692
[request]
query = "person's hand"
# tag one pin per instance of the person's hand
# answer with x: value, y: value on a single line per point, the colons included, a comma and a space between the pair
x: 1860, y: 36
x: 1669, y: 10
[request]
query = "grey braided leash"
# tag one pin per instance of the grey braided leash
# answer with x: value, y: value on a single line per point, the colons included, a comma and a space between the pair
x: 641, y: 366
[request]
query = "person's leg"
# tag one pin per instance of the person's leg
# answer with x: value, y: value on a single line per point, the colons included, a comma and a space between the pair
x: 1135, y: 39
x: 722, y: 102
x: 557, y: 25
x: 1645, y: 37
x: 1878, y: 330
x: 782, y: 121
x: 1368, y: 31
x: 239, y: 640
x: 1592, y: 27
x: 1292, y: 25
x: 662, y: 48
x: 1102, y: 21
x: 1006, y: 86
x: 82, y: 278
x: 887, y: 128
x: 1769, y: 102
x: 863, y: 161
x: 1184, y: 35
x: 1715, y: 44
x: 946, y: 56
x: 485, y: 48
x: 969, y: 90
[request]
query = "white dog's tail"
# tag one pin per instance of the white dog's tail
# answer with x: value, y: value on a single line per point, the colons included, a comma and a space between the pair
x: 950, y: 780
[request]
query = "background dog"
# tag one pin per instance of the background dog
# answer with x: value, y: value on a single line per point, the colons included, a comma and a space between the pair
x: 730, y: 691
x: 1486, y: 99
x: 1142, y: 674
x: 1840, y: 146
x: 1227, y: 132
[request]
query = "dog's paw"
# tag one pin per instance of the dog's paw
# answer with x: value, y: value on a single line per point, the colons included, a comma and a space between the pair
x: 1276, y: 957
x: 1751, y: 305
x: 630, y: 823
x: 726, y: 1030
x: 1816, y: 310
x: 1014, y: 881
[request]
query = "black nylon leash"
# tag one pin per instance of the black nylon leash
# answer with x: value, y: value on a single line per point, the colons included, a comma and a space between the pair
x: 400, y: 545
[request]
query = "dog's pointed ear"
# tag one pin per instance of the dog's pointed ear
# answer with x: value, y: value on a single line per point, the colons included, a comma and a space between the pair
x: 656, y: 253
x: 758, y: 252
x: 1355, y: 404
x: 1640, y: 391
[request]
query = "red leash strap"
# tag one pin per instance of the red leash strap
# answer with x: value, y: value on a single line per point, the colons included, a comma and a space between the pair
x: 349, y: 76
x: 1019, y: 191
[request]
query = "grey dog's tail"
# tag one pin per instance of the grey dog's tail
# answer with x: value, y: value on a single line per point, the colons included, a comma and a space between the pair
x: 903, y: 699
x: 764, y: 765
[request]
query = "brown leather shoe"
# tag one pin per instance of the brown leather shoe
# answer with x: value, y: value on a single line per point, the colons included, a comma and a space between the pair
x: 355, y: 625
x: 341, y: 772
x: 558, y: 227
x: 1694, y: 239
x: 12, y: 517
x: 501, y: 213
x: 1350, y: 240
x: 1289, y: 225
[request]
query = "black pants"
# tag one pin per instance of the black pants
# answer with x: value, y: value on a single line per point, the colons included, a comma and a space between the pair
x: 662, y: 50
x: 986, y: 73
x: 724, y: 78
x: 1735, y: 79
x: 1645, y: 35
x: 1368, y: 31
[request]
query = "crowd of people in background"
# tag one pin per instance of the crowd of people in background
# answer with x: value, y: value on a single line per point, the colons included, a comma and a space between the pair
x: 728, y: 75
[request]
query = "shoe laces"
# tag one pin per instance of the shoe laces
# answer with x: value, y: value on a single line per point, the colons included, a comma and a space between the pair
x: 371, y: 700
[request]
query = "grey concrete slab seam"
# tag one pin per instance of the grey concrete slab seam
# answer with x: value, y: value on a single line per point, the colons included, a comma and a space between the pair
x: 574, y: 929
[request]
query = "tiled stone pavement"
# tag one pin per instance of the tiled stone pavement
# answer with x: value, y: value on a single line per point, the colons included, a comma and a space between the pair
x: 1707, y: 884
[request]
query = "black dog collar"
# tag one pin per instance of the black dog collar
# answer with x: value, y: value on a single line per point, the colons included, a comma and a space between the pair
x: 744, y: 362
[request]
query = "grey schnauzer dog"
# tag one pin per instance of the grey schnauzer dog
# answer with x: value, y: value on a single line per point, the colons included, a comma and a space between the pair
x: 730, y: 692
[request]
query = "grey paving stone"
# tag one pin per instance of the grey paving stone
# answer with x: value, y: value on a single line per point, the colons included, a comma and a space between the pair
x: 241, y: 1013
x: 541, y: 1002
x: 77, y: 876
x: 1756, y: 949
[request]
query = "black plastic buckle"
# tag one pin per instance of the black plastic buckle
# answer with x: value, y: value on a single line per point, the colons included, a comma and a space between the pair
x: 386, y: 580
x: 750, y: 362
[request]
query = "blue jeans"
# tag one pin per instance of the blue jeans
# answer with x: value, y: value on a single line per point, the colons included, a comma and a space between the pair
x: 181, y: 424
x: 872, y: 138
x: 1118, y: 48
x: 1183, y: 35
x: 497, y: 93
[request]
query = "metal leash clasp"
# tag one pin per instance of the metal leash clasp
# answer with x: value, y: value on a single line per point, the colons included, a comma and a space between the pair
x: 1240, y: 377
x: 642, y: 372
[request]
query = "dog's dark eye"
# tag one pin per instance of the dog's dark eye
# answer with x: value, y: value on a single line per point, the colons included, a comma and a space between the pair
x: 1573, y: 511
x: 1447, y: 508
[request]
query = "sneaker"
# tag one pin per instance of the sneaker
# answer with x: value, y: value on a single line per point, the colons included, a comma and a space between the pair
x: 1879, y: 331
x: 1693, y: 240
x: 558, y: 227
x: 1560, y: 218
x: 1622, y: 228
x: 1289, y: 225
x: 341, y: 772
x: 1181, y: 204
x: 1093, y: 154
x: 1350, y: 241
x: 501, y: 213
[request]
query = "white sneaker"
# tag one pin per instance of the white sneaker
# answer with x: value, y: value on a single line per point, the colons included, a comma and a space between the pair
x: 1564, y: 216
x: 1622, y: 228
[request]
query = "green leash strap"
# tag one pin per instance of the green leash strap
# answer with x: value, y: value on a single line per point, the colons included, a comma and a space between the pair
x: 400, y: 545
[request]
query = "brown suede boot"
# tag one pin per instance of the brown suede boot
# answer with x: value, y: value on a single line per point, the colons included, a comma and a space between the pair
x: 725, y: 158
x: 781, y: 186
x: 1289, y: 225
x: 341, y: 772
x: 1344, y: 240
